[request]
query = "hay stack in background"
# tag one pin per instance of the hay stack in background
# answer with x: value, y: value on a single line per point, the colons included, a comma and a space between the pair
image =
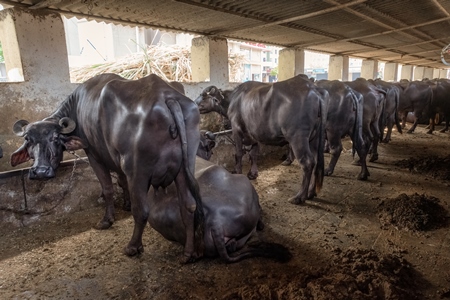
x: 172, y: 63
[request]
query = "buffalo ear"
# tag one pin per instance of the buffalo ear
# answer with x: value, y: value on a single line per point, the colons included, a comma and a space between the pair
x: 73, y: 143
x: 20, y: 156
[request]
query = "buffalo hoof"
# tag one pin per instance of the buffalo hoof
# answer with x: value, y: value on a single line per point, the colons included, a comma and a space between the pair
x: 297, y: 201
x: 443, y: 130
x: 373, y: 157
x: 386, y: 141
x: 430, y: 132
x: 252, y: 176
x: 260, y: 225
x: 328, y: 172
x: 187, y: 259
x: 132, y: 250
x: 410, y: 131
x: 362, y: 177
x: 356, y: 162
x: 102, y: 225
x: 310, y: 197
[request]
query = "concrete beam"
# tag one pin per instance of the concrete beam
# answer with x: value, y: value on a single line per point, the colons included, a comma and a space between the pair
x: 291, y: 62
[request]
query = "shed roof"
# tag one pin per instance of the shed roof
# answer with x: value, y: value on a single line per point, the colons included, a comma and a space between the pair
x: 404, y: 31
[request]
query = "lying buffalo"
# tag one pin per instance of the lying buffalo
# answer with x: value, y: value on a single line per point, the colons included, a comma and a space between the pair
x: 231, y: 208
x: 144, y: 130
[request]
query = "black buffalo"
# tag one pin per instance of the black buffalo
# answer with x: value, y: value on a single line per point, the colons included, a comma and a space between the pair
x: 440, y: 103
x: 416, y: 97
x: 374, y: 102
x: 231, y: 208
x: 290, y: 112
x: 143, y: 130
x: 390, y: 111
x: 345, y: 118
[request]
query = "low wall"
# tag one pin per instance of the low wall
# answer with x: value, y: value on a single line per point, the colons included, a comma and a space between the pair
x: 24, y: 202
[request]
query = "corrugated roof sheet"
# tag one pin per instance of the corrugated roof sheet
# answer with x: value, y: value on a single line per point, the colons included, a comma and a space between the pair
x: 401, y: 31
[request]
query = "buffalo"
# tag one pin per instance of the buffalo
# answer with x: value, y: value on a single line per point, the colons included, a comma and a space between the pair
x: 231, y: 208
x: 144, y: 130
x: 287, y: 112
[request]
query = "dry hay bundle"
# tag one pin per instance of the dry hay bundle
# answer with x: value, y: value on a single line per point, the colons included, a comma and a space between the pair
x: 172, y: 63
x: 412, y: 213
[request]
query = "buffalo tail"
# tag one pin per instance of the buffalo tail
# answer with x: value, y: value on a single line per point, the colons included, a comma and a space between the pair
x: 177, y: 113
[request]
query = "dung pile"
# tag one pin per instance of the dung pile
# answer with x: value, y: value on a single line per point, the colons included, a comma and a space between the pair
x: 435, y: 166
x: 412, y: 213
x: 357, y: 274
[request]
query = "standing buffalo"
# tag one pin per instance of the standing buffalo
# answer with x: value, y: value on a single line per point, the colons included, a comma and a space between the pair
x: 345, y: 117
x: 440, y: 103
x: 390, y: 111
x: 143, y: 130
x: 373, y: 99
x: 416, y: 96
x: 292, y: 111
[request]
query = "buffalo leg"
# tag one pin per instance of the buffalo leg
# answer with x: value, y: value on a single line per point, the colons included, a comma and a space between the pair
x: 140, y: 210
x: 389, y: 125
x: 306, y: 160
x: 289, y: 157
x: 239, y: 152
x: 253, y: 154
x: 104, y: 177
x: 362, y: 153
x: 122, y: 181
x: 188, y: 206
x: 446, y: 125
x: 376, y: 134
x: 335, y: 145
x: 431, y: 126
x: 416, y: 122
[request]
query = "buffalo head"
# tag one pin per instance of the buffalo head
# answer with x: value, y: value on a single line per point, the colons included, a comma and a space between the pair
x: 210, y: 100
x: 45, y: 142
x: 207, y: 142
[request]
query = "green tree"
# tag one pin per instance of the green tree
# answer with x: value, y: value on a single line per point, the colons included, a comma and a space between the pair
x: 274, y: 71
x: 2, y: 59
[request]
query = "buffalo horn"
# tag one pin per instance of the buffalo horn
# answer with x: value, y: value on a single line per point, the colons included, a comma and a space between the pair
x: 67, y: 124
x: 210, y: 135
x: 18, y: 127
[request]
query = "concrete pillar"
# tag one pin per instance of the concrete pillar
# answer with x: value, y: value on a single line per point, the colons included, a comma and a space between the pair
x: 369, y: 69
x: 443, y: 73
x: 390, y: 72
x: 34, y: 46
x: 338, y: 68
x: 418, y: 73
x: 428, y: 73
x: 209, y: 57
x: 291, y: 62
x: 407, y: 72
x: 436, y: 73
